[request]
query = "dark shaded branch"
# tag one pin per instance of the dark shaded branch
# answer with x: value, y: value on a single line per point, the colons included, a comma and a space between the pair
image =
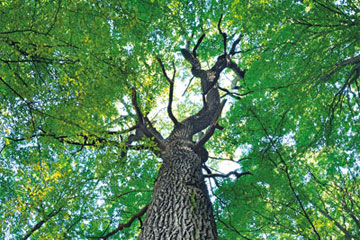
x: 171, y: 92
x: 127, y: 224
x: 337, y: 224
x: 12, y: 89
x: 163, y: 68
x: 36, y: 227
x: 150, y: 132
x: 340, y: 95
x: 195, y: 64
x: 171, y: 95
x: 212, y: 128
x: 230, y: 159
x: 233, y: 66
x: 233, y: 47
x: 234, y: 94
x: 237, y: 175
x: 136, y: 106
x: 198, y: 44
x: 153, y: 131
x: 41, y: 223
x: 233, y: 229
x: 222, y: 33
x: 55, y: 17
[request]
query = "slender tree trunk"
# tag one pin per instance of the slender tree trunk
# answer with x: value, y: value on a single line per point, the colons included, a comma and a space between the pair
x: 180, y: 207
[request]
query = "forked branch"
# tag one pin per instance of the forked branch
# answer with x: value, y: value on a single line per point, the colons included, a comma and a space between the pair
x: 235, y: 43
x: 208, y: 115
x: 171, y: 92
x: 145, y: 124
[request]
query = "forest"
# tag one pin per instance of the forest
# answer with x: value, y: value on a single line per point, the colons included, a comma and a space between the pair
x: 169, y: 119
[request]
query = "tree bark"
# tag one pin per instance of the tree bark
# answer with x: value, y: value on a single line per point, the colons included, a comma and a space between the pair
x: 180, y: 207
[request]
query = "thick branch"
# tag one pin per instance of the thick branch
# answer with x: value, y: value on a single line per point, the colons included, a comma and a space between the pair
x: 195, y: 64
x: 233, y: 66
x: 212, y: 128
x: 222, y: 33
x: 198, y: 44
x: 210, y: 112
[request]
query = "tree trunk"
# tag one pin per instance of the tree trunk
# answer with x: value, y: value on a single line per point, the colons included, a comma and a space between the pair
x: 180, y: 207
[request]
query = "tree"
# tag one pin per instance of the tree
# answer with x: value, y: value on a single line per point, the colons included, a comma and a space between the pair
x: 80, y: 154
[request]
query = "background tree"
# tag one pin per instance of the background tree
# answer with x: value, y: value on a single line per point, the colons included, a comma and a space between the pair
x: 71, y: 168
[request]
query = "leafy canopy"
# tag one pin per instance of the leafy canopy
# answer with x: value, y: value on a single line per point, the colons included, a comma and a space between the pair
x: 66, y: 73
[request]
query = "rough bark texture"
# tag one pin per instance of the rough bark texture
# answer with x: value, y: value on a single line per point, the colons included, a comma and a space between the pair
x: 180, y: 208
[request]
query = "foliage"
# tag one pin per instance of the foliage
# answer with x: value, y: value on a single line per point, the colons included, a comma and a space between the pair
x: 66, y: 73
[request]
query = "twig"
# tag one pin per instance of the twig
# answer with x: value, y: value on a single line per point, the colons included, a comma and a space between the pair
x: 238, y: 175
x: 188, y: 85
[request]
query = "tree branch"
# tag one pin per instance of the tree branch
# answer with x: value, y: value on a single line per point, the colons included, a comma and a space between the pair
x: 222, y: 33
x: 127, y: 224
x: 150, y: 132
x: 41, y: 223
x: 237, y: 174
x: 211, y: 129
x: 235, y: 43
x: 171, y: 92
x: 198, y: 44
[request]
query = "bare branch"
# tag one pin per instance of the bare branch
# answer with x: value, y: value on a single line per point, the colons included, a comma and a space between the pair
x: 187, y: 86
x: 137, y: 109
x: 163, y: 68
x: 171, y: 92
x: 230, y: 159
x: 235, y: 43
x: 222, y: 33
x: 132, y: 191
x: 195, y: 64
x: 198, y: 44
x: 237, y: 175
